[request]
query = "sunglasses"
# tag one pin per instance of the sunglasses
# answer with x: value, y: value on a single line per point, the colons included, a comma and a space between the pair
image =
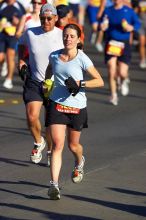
x: 43, y: 19
x: 36, y: 3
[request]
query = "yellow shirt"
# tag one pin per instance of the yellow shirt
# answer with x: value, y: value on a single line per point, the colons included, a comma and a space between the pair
x: 95, y: 3
x: 61, y: 2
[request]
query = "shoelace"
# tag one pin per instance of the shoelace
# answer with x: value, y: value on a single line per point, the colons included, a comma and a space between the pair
x: 35, y: 149
x: 77, y: 171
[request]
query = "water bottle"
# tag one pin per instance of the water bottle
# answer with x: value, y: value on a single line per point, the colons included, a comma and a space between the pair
x: 105, y: 23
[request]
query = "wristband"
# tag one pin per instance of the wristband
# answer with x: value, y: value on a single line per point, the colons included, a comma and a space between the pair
x: 82, y: 83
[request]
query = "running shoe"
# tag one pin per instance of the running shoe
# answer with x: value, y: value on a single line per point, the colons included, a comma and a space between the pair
x: 114, y: 99
x: 125, y: 87
x: 8, y: 84
x: 78, y: 172
x: 4, y: 70
x: 142, y: 64
x: 54, y: 192
x: 99, y: 47
x: 36, y: 154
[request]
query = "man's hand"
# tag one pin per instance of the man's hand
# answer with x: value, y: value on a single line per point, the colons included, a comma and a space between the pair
x: 24, y: 72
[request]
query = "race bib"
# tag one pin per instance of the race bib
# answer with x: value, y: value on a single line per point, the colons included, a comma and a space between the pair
x: 115, y: 48
x: 142, y: 6
x: 67, y: 109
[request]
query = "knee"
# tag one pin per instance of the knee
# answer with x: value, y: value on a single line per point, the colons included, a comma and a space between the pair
x: 57, y: 147
x: 73, y: 146
x: 32, y: 118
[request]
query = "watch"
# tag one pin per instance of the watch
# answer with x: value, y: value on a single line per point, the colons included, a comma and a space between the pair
x: 82, y: 83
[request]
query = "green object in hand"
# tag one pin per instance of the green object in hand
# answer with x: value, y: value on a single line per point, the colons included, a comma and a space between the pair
x: 47, y: 87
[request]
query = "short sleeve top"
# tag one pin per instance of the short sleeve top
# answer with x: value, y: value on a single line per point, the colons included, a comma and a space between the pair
x: 61, y: 70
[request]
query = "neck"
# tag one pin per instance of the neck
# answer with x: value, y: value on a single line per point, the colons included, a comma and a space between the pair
x: 68, y: 55
x: 71, y: 52
x: 35, y: 15
x: 119, y: 6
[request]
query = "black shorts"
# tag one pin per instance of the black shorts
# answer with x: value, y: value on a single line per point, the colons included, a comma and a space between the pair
x: 125, y: 57
x: 74, y: 121
x: 32, y: 91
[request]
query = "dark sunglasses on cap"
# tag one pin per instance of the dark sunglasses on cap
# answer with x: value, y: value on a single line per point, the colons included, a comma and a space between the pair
x: 44, y: 18
x: 36, y: 3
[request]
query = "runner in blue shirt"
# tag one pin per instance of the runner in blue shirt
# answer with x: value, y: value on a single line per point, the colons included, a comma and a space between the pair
x: 118, y: 22
x: 67, y: 109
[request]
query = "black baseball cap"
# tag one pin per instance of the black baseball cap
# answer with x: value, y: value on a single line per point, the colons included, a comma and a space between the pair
x: 62, y: 10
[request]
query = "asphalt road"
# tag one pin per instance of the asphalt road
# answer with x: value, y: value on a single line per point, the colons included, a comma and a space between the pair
x: 114, y: 185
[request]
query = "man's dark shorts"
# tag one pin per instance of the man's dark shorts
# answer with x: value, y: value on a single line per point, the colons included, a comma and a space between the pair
x: 32, y: 91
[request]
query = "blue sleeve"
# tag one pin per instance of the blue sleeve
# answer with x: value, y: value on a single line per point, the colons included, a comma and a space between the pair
x: 136, y: 21
x: 23, y: 11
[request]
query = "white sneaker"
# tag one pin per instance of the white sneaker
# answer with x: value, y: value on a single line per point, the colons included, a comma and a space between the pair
x: 54, y: 192
x: 114, y: 99
x: 99, y: 47
x: 78, y: 172
x: 36, y: 154
x: 4, y: 69
x: 8, y: 84
x: 125, y: 87
x: 142, y: 65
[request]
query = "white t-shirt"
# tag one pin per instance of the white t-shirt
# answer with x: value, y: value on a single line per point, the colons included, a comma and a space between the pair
x: 40, y: 44
x: 30, y: 22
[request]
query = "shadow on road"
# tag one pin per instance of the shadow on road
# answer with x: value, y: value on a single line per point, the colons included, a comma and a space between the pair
x: 134, y: 209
